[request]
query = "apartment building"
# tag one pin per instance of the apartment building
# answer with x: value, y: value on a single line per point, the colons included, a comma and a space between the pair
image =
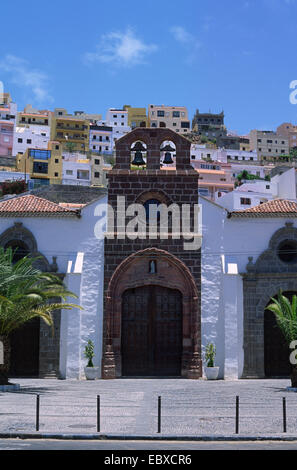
x: 30, y: 136
x: 289, y: 131
x: 8, y: 112
x: 101, y: 139
x: 44, y: 166
x: 71, y: 132
x: 30, y: 117
x: 92, y: 118
x: 137, y: 117
x: 76, y: 170
x: 117, y: 119
x: 172, y: 117
x: 269, y: 145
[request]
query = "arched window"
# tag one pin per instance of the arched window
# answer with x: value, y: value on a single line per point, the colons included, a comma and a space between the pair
x: 287, y: 251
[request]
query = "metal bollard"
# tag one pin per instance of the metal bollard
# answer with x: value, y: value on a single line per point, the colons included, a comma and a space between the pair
x: 37, y: 411
x: 237, y: 416
x: 284, y: 415
x: 159, y: 415
x: 98, y: 413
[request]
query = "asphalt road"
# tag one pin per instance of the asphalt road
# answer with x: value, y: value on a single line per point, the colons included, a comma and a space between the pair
x: 48, y: 445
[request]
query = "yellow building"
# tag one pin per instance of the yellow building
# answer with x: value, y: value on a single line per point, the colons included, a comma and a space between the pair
x: 71, y: 132
x: 43, y: 165
x: 137, y: 117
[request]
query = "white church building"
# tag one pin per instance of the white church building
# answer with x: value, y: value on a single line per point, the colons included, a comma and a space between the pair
x: 246, y: 257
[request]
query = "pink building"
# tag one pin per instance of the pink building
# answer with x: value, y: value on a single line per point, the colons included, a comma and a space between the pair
x: 8, y: 111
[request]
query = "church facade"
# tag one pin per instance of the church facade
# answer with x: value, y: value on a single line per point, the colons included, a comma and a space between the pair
x: 149, y: 305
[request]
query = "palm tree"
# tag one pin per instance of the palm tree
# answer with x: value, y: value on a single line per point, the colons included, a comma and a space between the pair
x: 286, y: 318
x: 25, y: 293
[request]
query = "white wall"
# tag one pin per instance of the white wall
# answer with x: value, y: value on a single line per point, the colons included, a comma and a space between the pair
x: 80, y: 255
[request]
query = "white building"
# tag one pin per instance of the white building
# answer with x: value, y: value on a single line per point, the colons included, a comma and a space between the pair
x: 65, y: 242
x: 255, y: 192
x: 76, y: 170
x: 245, y: 261
x: 201, y: 152
x: 117, y: 119
x: 101, y: 139
x: 30, y: 136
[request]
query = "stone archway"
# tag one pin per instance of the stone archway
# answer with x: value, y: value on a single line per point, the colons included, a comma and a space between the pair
x: 34, y: 352
x: 170, y: 273
x: 262, y: 281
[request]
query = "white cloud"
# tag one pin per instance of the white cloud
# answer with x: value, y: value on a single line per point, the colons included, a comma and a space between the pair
x: 181, y: 35
x: 120, y: 48
x: 188, y: 41
x: 23, y: 75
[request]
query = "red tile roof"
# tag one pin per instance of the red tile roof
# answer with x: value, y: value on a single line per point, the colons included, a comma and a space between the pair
x: 273, y: 208
x: 30, y: 205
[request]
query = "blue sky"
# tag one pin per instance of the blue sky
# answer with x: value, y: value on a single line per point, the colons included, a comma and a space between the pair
x: 236, y: 55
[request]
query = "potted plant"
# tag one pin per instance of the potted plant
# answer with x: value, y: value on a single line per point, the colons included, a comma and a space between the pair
x: 211, y: 371
x: 91, y: 371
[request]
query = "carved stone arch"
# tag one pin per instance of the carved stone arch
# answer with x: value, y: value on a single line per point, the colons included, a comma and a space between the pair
x: 287, y: 232
x: 19, y: 232
x: 171, y: 273
x: 263, y: 280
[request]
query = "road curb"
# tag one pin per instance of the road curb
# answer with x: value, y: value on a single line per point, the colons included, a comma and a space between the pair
x: 133, y: 437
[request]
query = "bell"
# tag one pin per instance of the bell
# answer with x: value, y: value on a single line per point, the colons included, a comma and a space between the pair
x: 167, y: 148
x: 138, y: 147
x: 138, y: 160
x: 167, y: 159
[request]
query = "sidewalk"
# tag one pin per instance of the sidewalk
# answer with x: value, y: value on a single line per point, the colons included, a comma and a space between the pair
x: 191, y: 410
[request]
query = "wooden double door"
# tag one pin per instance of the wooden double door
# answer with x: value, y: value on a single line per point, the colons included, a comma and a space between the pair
x: 276, y: 349
x: 151, y: 332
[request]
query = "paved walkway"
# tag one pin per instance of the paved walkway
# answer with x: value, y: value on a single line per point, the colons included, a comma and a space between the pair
x: 129, y: 407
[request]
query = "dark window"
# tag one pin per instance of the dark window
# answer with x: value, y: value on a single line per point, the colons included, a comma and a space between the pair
x: 56, y: 174
x: 287, y: 251
x: 40, y: 167
x: 97, y: 174
x: 175, y: 114
x: 20, y: 141
x: 97, y: 162
x: 245, y: 201
x: 185, y: 124
x: 56, y: 160
x: 57, y: 147
x: 160, y: 113
x: 29, y: 141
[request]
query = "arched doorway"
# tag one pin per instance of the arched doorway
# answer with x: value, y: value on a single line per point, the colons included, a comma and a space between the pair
x: 152, y: 289
x: 276, y: 350
x: 151, y: 331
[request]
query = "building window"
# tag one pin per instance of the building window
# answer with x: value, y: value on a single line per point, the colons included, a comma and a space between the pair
x: 175, y: 114
x: 69, y: 172
x: 56, y: 160
x: 97, y: 162
x: 29, y: 141
x: 20, y: 141
x: 97, y: 174
x: 287, y: 251
x: 56, y: 175
x: 160, y: 113
x: 245, y: 201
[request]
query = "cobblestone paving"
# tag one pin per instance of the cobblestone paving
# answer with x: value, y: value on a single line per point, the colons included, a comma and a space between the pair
x: 129, y: 406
